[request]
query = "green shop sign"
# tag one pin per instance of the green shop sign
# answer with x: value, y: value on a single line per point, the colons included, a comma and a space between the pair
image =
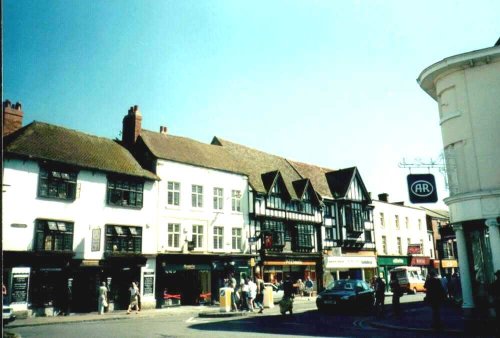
x: 392, y: 260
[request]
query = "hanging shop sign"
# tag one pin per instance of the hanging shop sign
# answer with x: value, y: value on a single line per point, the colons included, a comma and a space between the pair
x: 420, y: 261
x: 422, y: 188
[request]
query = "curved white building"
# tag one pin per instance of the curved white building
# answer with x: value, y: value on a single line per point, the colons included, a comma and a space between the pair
x: 467, y: 90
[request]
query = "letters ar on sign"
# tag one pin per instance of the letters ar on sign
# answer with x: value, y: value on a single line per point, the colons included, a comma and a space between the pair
x: 422, y: 188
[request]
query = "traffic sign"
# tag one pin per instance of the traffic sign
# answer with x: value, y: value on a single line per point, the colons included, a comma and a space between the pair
x: 422, y: 188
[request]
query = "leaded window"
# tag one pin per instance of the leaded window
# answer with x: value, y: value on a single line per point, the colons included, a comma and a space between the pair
x: 60, y: 184
x: 125, y: 192
x: 354, y: 217
x: 305, y: 233
x: 275, y: 200
x: 174, y: 193
x: 52, y: 235
x: 197, y: 196
x: 123, y: 238
x: 277, y: 229
x: 306, y: 205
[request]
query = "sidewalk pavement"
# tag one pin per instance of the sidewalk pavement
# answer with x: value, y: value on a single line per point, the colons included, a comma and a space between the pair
x: 418, y: 318
x: 203, y: 310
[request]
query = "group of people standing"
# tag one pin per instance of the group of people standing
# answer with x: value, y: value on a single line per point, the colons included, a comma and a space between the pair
x: 248, y: 294
x: 103, y: 302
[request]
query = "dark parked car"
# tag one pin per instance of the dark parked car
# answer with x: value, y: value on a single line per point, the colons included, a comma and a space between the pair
x: 346, y: 294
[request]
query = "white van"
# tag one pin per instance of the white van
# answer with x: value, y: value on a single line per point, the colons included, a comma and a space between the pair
x: 410, y: 278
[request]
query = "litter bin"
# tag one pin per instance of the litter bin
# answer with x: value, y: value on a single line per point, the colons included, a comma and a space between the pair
x: 268, y: 297
x: 225, y: 299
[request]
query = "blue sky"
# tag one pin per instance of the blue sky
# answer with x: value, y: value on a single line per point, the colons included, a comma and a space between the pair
x: 330, y: 83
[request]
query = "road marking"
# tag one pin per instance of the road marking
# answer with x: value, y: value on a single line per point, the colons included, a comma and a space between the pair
x: 191, y: 320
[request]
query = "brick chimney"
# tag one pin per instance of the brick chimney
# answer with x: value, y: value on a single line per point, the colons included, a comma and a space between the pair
x: 383, y: 197
x: 132, y: 124
x: 12, y: 117
x: 163, y: 130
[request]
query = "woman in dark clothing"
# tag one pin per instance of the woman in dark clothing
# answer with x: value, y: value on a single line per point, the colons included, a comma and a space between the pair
x: 435, y: 296
x: 396, y: 294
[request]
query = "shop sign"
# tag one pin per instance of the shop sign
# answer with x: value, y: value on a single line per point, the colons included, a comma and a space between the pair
x: 289, y: 262
x: 414, y: 249
x: 422, y: 188
x: 19, y: 285
x: 449, y: 263
x: 420, y: 260
x: 333, y: 262
x: 172, y: 268
x: 394, y: 261
x: 148, y: 282
x: 96, y: 240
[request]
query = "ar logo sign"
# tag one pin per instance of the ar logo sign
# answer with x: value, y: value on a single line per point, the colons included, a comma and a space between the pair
x: 422, y: 188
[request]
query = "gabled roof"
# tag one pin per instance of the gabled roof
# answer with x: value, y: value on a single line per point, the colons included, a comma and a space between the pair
x: 189, y: 151
x: 254, y: 163
x: 316, y: 175
x: 340, y: 181
x: 46, y: 142
x: 303, y: 185
x: 272, y: 178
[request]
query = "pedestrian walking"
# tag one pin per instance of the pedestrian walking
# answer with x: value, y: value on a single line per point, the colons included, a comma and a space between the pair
x: 300, y: 287
x: 309, y: 287
x: 435, y: 296
x: 102, y: 299
x: 252, y: 293
x: 234, y: 294
x: 245, y: 290
x: 259, y: 299
x: 134, y: 298
x: 379, y: 296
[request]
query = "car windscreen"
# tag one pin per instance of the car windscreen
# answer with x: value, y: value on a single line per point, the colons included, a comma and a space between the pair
x: 342, y: 285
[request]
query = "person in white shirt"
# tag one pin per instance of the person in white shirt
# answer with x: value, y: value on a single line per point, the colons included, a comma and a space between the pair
x: 134, y: 298
x: 253, y: 293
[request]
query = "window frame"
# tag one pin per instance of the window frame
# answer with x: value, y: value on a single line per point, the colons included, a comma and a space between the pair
x: 196, y: 196
x: 236, y: 200
x: 174, y: 235
x: 125, y: 240
x: 218, y: 198
x: 173, y: 193
x: 218, y: 237
x: 236, y: 239
x: 60, y: 239
x: 130, y: 192
x: 52, y: 184
x: 197, y: 235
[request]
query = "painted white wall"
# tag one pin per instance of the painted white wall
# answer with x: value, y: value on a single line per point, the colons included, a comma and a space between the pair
x: 413, y: 231
x: 187, y: 216
x: 467, y: 90
x: 88, y: 211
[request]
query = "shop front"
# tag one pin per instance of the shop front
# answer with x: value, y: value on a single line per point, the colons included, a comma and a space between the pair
x: 349, y: 266
x: 37, y: 282
x: 274, y: 270
x: 193, y: 279
x: 424, y: 262
x: 387, y: 263
x: 449, y: 266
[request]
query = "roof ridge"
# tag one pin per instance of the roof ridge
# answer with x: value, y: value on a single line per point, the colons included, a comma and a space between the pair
x: 70, y: 130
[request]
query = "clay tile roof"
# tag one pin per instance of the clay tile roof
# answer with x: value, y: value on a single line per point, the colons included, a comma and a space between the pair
x: 189, y: 151
x: 316, y: 175
x: 255, y: 163
x: 42, y: 141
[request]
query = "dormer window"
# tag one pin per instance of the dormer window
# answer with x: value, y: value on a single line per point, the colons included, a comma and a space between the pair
x: 57, y: 183
x: 275, y: 200
x: 306, y: 203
